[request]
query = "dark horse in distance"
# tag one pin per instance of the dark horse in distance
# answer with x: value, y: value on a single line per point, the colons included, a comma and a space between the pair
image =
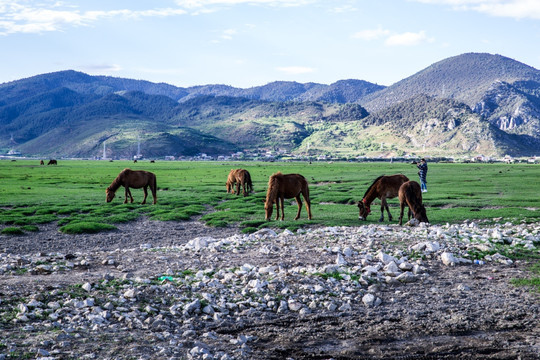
x: 383, y: 187
x: 52, y: 162
x: 241, y: 178
x: 135, y: 179
x: 286, y: 186
x: 410, y: 194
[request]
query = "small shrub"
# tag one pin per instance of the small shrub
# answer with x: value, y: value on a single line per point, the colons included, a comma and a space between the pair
x: 12, y: 231
x: 249, y: 230
x: 217, y: 223
x: 86, y: 228
x: 31, y: 228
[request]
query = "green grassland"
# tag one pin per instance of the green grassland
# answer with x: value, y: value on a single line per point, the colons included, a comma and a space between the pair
x: 74, y: 193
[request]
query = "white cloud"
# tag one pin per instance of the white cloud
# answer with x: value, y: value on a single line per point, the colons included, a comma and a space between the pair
x: 371, y: 34
x: 407, y: 39
x: 100, y: 69
x: 296, y: 70
x: 228, y: 34
x: 518, y: 9
x: 18, y: 16
x: 393, y: 39
x: 202, y: 3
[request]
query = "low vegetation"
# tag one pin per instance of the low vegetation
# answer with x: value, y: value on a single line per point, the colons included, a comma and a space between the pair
x: 73, y: 194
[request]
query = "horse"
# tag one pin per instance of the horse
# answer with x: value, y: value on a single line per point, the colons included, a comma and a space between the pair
x: 240, y: 177
x: 383, y: 187
x: 410, y: 194
x: 136, y: 179
x: 41, y: 162
x: 287, y: 186
x: 52, y: 162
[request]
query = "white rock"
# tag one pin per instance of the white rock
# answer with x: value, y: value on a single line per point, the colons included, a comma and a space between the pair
x: 385, y: 258
x: 348, y: 252
x: 87, y: 287
x: 391, y: 268
x: 129, y: 294
x: 294, y: 305
x: 449, y: 259
x: 406, y: 266
x: 369, y: 300
x: 340, y: 260
x: 406, y: 277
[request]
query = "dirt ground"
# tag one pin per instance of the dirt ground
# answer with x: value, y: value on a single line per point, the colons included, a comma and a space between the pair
x: 457, y: 312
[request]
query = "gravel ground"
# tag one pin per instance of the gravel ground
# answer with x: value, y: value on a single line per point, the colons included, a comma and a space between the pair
x: 167, y: 290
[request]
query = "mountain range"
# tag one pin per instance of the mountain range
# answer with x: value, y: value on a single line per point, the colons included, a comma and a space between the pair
x: 466, y: 105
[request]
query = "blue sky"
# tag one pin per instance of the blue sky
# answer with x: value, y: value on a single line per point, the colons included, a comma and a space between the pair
x: 248, y: 43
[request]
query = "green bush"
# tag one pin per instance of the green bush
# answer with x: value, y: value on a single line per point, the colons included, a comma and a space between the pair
x: 12, y: 231
x: 249, y: 230
x: 31, y: 228
x: 86, y: 228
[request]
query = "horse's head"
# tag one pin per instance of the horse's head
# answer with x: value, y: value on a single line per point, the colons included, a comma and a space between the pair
x: 364, y: 210
x: 421, y: 214
x: 268, y: 208
x: 110, y: 194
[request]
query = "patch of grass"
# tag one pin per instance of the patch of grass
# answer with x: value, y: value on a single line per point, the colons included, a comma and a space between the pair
x: 12, y: 231
x: 217, y: 223
x: 249, y: 230
x: 30, y: 228
x: 86, y: 228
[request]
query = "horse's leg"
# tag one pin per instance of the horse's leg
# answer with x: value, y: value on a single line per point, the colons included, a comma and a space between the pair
x: 299, y: 202
x: 145, y: 189
x: 401, y: 209
x: 244, y: 188
x: 383, y: 204
x: 282, y: 199
x: 126, y: 194
x: 277, y: 208
x: 238, y: 188
x: 388, y: 211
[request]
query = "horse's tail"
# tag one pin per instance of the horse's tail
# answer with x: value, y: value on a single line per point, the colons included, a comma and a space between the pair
x: 248, y: 180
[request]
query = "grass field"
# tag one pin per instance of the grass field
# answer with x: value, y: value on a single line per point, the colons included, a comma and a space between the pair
x: 74, y: 193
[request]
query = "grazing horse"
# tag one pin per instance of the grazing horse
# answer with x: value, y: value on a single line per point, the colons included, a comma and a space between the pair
x: 136, y: 179
x: 287, y: 186
x: 383, y: 187
x: 52, y: 162
x: 41, y: 162
x: 410, y: 194
x: 242, y: 178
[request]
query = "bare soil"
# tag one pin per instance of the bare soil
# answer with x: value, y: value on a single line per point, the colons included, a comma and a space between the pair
x: 459, y: 312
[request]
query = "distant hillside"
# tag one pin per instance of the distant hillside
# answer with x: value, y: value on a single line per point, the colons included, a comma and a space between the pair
x: 439, y: 126
x: 464, y: 78
x: 465, y: 105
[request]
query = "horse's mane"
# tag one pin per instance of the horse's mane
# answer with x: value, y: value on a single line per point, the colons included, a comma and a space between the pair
x: 371, y: 186
x: 117, y: 182
x: 273, y: 187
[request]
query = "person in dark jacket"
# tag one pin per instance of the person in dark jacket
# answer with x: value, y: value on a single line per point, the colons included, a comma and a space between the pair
x: 422, y: 173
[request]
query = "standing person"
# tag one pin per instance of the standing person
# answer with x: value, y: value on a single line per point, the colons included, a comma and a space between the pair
x: 422, y: 167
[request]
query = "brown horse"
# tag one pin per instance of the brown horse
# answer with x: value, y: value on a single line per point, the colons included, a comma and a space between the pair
x: 240, y: 177
x: 136, y: 179
x: 287, y: 186
x: 410, y: 195
x: 383, y: 187
x: 52, y: 162
x: 41, y: 162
